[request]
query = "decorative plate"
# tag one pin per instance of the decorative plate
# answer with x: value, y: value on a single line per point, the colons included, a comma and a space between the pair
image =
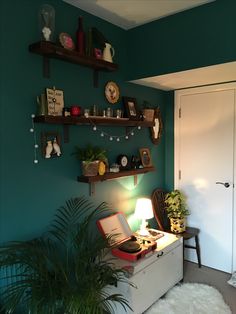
x: 66, y: 41
x: 112, y: 92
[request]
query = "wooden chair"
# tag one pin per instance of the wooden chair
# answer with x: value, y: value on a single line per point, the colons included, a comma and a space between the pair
x: 158, y: 202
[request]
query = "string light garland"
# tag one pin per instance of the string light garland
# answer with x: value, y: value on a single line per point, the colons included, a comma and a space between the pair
x: 36, y: 146
x: 111, y: 137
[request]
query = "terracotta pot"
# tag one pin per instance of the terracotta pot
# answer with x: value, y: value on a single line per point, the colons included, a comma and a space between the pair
x: 177, y: 225
x: 90, y: 169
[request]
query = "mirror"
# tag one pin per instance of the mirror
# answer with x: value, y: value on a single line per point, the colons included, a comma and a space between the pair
x: 156, y: 130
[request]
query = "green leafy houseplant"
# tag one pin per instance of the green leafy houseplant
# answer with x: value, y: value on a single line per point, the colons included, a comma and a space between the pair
x: 90, y: 153
x: 176, y: 205
x: 64, y: 270
x: 90, y: 157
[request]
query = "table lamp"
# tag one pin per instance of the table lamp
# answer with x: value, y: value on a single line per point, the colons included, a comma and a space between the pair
x: 143, y: 210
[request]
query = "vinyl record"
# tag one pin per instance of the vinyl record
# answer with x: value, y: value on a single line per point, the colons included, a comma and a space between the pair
x: 130, y: 246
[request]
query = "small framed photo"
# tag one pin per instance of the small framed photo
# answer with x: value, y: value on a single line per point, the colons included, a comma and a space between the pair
x: 131, y: 108
x: 51, y: 144
x: 55, y: 100
x: 145, y: 157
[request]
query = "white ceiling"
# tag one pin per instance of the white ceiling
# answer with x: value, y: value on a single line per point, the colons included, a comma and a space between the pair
x: 214, y: 74
x: 131, y: 13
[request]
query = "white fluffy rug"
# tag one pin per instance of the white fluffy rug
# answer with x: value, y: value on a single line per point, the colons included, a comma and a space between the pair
x: 191, y: 298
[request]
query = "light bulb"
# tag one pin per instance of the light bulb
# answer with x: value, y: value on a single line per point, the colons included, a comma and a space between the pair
x: 118, y: 139
x: 33, y: 116
x: 126, y: 137
x: 111, y: 138
x: 36, y: 161
x: 139, y: 127
x: 36, y: 146
x: 95, y: 128
x: 132, y: 133
x: 102, y: 134
x: 31, y: 130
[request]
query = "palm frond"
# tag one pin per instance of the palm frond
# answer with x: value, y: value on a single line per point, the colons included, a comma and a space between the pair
x: 64, y: 270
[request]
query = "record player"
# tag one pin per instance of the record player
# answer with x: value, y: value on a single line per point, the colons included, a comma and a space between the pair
x: 124, y: 243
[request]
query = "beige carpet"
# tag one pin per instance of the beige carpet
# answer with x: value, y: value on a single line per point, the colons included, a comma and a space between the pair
x: 191, y: 298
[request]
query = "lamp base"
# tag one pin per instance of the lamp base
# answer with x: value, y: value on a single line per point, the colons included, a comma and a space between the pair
x: 143, y: 232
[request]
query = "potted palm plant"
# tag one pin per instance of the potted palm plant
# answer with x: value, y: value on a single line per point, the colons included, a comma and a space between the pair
x: 90, y: 156
x: 176, y: 208
x: 64, y: 270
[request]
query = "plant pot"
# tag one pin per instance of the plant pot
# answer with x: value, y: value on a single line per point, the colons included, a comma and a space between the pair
x: 90, y: 169
x: 177, y: 225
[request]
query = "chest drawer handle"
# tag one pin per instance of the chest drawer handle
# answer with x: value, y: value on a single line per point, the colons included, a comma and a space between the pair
x: 159, y: 255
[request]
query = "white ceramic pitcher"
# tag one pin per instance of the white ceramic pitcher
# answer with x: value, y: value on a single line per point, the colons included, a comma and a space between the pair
x: 108, y: 53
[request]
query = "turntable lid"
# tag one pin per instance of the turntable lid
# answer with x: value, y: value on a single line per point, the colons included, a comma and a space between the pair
x: 115, y: 225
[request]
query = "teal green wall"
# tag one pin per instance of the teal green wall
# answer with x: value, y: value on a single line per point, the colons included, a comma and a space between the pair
x: 31, y: 193
x: 199, y: 37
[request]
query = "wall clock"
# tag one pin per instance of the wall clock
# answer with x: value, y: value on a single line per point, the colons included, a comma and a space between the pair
x: 123, y: 162
x: 112, y: 92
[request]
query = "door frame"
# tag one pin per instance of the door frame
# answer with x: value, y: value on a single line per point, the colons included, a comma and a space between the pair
x: 177, y: 114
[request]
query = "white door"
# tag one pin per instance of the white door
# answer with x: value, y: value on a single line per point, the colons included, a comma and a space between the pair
x: 204, y: 162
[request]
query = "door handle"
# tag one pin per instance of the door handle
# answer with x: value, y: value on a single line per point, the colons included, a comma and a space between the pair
x: 225, y: 184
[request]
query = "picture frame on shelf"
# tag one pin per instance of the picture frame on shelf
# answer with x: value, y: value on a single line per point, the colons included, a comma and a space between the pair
x: 131, y: 108
x: 55, y: 101
x: 145, y: 156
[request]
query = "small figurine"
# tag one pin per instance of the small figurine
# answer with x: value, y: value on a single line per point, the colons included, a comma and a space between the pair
x: 56, y: 147
x: 49, y: 149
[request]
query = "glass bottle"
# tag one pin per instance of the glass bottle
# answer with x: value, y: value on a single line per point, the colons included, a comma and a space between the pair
x: 80, y: 37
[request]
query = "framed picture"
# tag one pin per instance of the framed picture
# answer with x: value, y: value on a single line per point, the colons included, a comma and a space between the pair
x: 131, y: 107
x: 145, y: 157
x: 55, y: 100
x: 51, y: 144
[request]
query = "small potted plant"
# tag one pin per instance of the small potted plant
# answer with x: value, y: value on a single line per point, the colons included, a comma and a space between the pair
x: 90, y: 157
x: 176, y: 210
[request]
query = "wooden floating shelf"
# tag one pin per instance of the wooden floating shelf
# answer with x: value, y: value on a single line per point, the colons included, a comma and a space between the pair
x: 92, y: 120
x: 51, y: 50
x: 113, y: 175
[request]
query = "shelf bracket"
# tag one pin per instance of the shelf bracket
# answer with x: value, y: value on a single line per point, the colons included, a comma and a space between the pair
x: 91, y: 188
x: 95, y: 78
x: 135, y: 180
x: 46, y: 67
x: 66, y: 133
